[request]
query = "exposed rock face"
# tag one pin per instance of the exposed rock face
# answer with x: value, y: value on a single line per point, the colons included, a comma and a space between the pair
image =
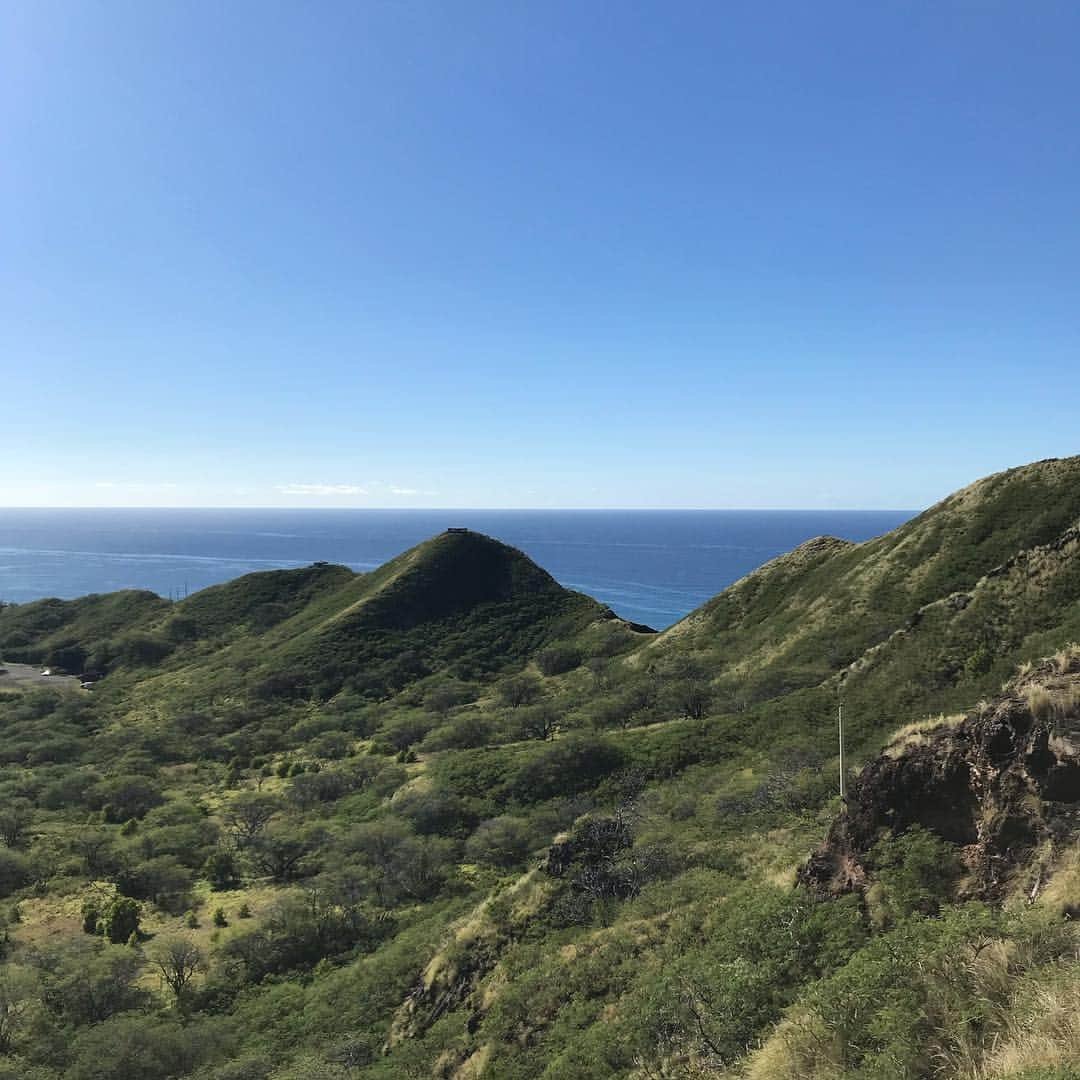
x: 1002, y: 782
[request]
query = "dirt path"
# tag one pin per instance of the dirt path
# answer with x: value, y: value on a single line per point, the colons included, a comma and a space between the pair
x: 28, y: 676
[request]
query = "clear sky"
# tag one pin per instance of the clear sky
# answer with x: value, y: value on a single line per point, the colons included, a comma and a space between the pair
x: 555, y: 253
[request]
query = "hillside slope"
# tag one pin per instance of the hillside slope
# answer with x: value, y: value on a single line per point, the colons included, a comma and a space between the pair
x: 985, y: 579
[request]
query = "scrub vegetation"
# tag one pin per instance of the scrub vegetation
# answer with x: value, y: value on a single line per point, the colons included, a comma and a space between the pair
x: 448, y: 819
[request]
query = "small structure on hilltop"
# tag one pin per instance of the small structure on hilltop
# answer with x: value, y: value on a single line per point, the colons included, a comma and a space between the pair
x: 457, y: 529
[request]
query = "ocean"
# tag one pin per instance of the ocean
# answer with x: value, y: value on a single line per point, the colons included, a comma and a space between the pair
x: 650, y: 566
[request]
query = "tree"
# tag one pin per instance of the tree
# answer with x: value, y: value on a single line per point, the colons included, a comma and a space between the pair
x: 501, y: 841
x: 537, y: 722
x: 691, y: 698
x: 125, y: 797
x: 90, y: 915
x: 144, y: 1046
x: 247, y: 815
x: 402, y: 863
x: 220, y: 870
x: 16, y: 817
x: 121, y: 920
x: 405, y: 730
x: 915, y: 873
x: 162, y: 880
x: 467, y: 730
x: 557, y: 659
x: 15, y: 871
x: 178, y: 960
x: 18, y: 999
x: 441, y: 699
x: 94, y: 846
x: 519, y: 690
x: 89, y: 982
x: 282, y: 855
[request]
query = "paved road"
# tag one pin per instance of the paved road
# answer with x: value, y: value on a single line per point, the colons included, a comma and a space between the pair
x: 25, y: 676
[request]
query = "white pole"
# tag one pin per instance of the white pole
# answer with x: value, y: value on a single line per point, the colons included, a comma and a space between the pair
x: 840, y: 727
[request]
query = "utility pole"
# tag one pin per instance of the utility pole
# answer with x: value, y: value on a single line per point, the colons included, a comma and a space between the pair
x: 840, y: 729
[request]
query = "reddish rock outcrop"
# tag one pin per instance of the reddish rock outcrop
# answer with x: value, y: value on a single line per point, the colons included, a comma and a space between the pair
x: 999, y: 784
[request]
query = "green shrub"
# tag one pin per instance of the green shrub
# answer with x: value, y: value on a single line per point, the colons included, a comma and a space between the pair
x: 90, y: 915
x: 121, y: 920
x: 915, y: 873
x: 220, y: 869
x: 558, y: 659
x: 15, y: 871
x: 502, y: 841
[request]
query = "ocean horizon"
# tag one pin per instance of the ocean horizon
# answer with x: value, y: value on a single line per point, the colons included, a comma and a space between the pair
x: 650, y: 566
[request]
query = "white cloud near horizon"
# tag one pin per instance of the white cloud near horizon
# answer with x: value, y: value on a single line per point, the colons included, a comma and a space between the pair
x: 320, y: 489
x: 135, y: 484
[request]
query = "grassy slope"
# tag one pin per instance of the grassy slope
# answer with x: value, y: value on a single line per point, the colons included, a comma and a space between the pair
x: 828, y: 601
x: 919, y: 618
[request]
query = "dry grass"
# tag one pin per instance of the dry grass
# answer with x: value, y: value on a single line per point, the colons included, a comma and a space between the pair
x: 474, y: 1066
x: 479, y: 928
x: 776, y: 855
x: 1042, y: 1030
x: 800, y: 1046
x: 1063, y: 889
x: 1040, y: 701
x: 919, y: 732
x: 1067, y: 660
x: 1053, y: 704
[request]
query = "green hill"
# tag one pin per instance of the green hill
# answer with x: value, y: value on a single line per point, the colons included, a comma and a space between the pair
x: 922, y: 618
x: 451, y: 820
x: 75, y: 634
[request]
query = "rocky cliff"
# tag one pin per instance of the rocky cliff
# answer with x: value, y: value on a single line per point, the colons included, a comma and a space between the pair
x: 1002, y: 782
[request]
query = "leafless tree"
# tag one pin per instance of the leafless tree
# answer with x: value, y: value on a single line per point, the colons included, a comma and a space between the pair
x: 178, y: 959
x: 248, y: 815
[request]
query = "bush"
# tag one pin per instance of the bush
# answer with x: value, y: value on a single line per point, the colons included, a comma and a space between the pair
x: 462, y: 733
x: 536, y: 722
x: 121, y: 920
x: 405, y: 730
x: 161, y: 880
x: 557, y: 659
x: 15, y: 871
x: 502, y: 841
x: 124, y: 797
x: 220, y: 870
x: 90, y: 915
x: 915, y: 874
x: 519, y: 690
x: 441, y: 699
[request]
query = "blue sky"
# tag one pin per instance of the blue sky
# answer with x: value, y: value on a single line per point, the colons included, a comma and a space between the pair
x: 534, y: 254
